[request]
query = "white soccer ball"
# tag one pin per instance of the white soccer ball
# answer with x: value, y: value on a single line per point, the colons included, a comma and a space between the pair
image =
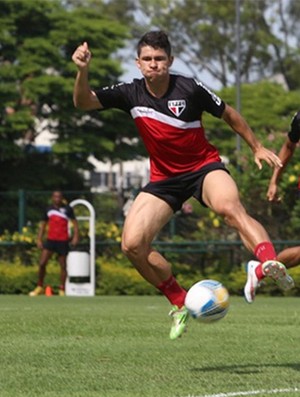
x: 207, y: 301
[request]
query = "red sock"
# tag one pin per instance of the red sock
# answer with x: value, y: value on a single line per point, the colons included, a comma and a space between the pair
x: 259, y: 272
x: 264, y: 251
x: 172, y: 291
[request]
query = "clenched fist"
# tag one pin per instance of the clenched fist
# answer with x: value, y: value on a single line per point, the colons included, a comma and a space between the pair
x: 82, y: 56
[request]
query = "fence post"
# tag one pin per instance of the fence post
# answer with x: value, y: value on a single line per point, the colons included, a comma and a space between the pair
x: 21, y: 211
x: 172, y: 226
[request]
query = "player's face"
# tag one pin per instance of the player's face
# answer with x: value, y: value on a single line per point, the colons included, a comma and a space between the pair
x: 154, y: 63
x: 57, y: 198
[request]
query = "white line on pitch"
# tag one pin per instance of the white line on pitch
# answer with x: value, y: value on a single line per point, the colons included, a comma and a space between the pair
x: 248, y: 393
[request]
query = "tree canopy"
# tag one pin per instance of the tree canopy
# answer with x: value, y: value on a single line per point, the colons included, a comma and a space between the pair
x: 204, y: 34
x: 37, y: 77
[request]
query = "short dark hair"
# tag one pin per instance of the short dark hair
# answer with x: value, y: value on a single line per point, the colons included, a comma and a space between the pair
x: 57, y: 191
x: 156, y: 39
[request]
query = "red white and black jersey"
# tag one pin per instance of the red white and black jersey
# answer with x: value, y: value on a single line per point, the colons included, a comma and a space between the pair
x: 58, y: 219
x: 171, y: 126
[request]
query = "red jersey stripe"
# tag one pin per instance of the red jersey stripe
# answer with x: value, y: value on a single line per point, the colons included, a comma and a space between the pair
x: 174, y: 150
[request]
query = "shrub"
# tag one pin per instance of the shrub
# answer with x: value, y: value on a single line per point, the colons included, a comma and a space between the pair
x: 115, y: 279
x: 19, y: 279
x: 116, y: 276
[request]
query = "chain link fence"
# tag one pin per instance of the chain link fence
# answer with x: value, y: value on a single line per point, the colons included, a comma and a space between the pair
x: 180, y: 240
x: 24, y: 208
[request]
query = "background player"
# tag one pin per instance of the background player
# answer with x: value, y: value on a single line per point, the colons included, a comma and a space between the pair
x: 56, y: 220
x: 167, y: 110
x: 290, y: 256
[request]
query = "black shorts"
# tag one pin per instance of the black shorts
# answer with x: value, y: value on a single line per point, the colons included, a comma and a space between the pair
x: 176, y: 190
x: 57, y: 246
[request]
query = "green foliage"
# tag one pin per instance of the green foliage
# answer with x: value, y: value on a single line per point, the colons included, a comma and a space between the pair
x: 294, y: 226
x: 37, y: 77
x: 19, y: 279
x: 107, y: 206
x: 204, y: 37
x: 116, y: 276
x: 108, y: 231
x: 115, y: 279
x: 268, y: 109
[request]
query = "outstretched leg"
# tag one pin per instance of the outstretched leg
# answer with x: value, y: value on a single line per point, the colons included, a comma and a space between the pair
x: 220, y: 193
x: 290, y: 256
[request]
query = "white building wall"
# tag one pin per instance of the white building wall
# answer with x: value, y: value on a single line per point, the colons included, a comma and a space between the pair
x: 118, y: 176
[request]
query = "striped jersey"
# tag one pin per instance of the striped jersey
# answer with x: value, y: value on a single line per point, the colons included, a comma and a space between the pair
x: 170, y: 126
x: 58, y: 220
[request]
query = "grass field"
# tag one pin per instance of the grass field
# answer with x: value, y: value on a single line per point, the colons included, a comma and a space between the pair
x: 119, y: 347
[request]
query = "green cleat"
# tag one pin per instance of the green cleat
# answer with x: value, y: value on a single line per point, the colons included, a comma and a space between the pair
x: 180, y: 317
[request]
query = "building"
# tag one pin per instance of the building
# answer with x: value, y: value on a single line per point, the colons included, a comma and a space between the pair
x: 121, y: 176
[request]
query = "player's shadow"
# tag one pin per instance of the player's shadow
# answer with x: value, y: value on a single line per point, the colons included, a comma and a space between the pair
x: 246, y: 368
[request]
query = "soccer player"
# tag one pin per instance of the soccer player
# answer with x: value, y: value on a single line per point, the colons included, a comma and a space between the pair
x: 290, y: 256
x: 167, y: 110
x: 56, y: 220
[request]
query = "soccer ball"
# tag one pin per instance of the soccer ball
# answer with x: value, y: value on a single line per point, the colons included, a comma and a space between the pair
x: 207, y: 301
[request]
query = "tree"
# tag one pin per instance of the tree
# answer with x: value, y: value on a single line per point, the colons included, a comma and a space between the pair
x: 286, y: 50
x: 37, y: 74
x: 204, y: 36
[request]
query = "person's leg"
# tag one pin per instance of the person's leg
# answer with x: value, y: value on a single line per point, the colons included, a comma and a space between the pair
x: 45, y: 256
x: 220, y: 193
x: 147, y: 215
x: 290, y: 256
x: 62, y: 259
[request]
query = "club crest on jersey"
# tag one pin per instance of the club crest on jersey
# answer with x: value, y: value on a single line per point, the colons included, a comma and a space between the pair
x: 177, y: 106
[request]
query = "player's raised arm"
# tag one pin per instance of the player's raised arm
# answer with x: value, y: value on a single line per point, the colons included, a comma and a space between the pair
x: 285, y: 154
x: 83, y: 97
x: 240, y: 126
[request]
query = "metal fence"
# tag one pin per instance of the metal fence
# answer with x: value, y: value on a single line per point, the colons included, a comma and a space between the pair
x: 25, y: 208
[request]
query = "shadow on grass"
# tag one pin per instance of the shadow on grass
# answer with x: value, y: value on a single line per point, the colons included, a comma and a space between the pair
x: 246, y: 368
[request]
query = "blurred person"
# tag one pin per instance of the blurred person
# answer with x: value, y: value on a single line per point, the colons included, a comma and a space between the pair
x: 167, y: 110
x: 56, y: 221
x: 289, y: 256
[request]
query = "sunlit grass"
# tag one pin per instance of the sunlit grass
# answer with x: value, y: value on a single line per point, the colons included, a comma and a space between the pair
x: 119, y: 347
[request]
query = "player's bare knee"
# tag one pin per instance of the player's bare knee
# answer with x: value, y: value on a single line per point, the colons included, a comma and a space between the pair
x: 130, y: 247
x: 232, y: 213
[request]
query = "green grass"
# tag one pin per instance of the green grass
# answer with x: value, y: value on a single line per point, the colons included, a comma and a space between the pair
x: 119, y: 347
